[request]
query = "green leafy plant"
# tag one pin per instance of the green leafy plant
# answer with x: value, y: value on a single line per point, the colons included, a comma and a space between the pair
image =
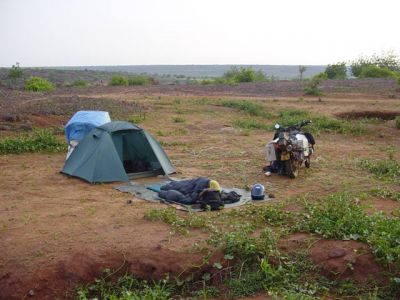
x: 377, y: 72
x: 118, y: 80
x: 336, y: 71
x: 371, y: 66
x: 387, y: 169
x: 127, y: 288
x: 38, y: 141
x: 38, y: 84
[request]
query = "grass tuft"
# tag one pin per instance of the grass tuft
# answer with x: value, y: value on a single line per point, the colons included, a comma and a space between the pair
x: 38, y: 141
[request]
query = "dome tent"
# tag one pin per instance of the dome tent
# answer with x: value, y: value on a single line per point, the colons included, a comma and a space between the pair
x: 117, y: 151
x: 84, y: 121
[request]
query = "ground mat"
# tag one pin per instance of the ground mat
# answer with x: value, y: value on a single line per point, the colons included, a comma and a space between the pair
x: 147, y: 190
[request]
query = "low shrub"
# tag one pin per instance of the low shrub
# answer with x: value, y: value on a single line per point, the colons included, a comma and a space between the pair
x: 312, y: 88
x: 376, y: 72
x: 38, y: 84
x: 38, y: 141
x: 386, y: 169
x: 139, y: 80
x: 79, y: 83
x: 118, y: 80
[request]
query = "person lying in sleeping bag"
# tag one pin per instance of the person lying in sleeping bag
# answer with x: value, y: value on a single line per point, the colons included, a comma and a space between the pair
x: 187, y: 191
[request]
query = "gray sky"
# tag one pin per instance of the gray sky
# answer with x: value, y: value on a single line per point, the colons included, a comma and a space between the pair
x: 123, y: 32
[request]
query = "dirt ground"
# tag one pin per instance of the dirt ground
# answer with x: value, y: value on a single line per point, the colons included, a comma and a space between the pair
x: 57, y: 232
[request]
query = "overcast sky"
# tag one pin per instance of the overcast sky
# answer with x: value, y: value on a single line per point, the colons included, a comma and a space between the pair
x: 131, y: 32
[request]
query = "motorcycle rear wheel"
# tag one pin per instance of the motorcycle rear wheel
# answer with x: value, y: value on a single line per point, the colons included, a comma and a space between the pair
x: 291, y: 168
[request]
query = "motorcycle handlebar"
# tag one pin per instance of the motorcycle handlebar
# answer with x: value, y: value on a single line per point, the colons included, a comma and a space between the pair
x: 299, y: 125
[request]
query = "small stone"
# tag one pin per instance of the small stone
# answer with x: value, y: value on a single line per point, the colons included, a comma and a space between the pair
x: 338, y: 252
x: 129, y: 201
x: 270, y: 195
x: 381, y: 135
x: 31, y: 293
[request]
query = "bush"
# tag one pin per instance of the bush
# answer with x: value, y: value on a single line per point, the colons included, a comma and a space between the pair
x: 244, y: 75
x: 118, y: 80
x: 336, y: 71
x: 79, y: 83
x: 312, y: 88
x: 386, y: 61
x: 376, y: 72
x: 42, y: 140
x: 139, y: 80
x: 38, y: 84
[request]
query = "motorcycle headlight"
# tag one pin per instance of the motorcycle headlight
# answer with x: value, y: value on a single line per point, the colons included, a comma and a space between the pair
x: 289, y: 148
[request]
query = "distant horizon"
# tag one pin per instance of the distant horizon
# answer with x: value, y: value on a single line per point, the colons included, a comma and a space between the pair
x: 124, y: 65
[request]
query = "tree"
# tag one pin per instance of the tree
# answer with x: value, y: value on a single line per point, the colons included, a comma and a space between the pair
x: 15, y: 71
x: 302, y: 69
x: 336, y: 71
x: 387, y: 60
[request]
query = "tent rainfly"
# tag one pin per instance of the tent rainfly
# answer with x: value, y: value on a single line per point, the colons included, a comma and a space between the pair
x: 84, y: 121
x: 117, y: 151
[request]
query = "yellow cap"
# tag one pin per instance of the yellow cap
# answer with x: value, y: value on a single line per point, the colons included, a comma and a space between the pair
x: 215, y: 185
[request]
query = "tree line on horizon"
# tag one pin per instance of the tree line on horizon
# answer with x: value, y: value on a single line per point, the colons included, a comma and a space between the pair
x: 386, y: 65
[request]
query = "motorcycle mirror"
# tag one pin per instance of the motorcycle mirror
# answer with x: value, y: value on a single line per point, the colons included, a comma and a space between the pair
x: 277, y: 126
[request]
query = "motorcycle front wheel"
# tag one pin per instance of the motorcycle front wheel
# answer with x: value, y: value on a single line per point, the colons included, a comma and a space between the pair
x: 291, y: 168
x: 307, y: 162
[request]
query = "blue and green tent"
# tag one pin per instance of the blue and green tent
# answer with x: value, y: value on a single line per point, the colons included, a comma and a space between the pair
x: 117, y: 151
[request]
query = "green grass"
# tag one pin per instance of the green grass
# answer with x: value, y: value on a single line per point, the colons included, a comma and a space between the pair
x: 179, y: 119
x: 249, y: 107
x: 320, y: 123
x: 385, y: 193
x: 250, y: 123
x: 126, y: 288
x: 38, y: 141
x: 137, y: 119
x: 386, y: 169
x: 338, y: 216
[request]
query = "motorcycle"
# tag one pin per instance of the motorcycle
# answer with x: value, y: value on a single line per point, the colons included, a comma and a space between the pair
x: 290, y: 148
